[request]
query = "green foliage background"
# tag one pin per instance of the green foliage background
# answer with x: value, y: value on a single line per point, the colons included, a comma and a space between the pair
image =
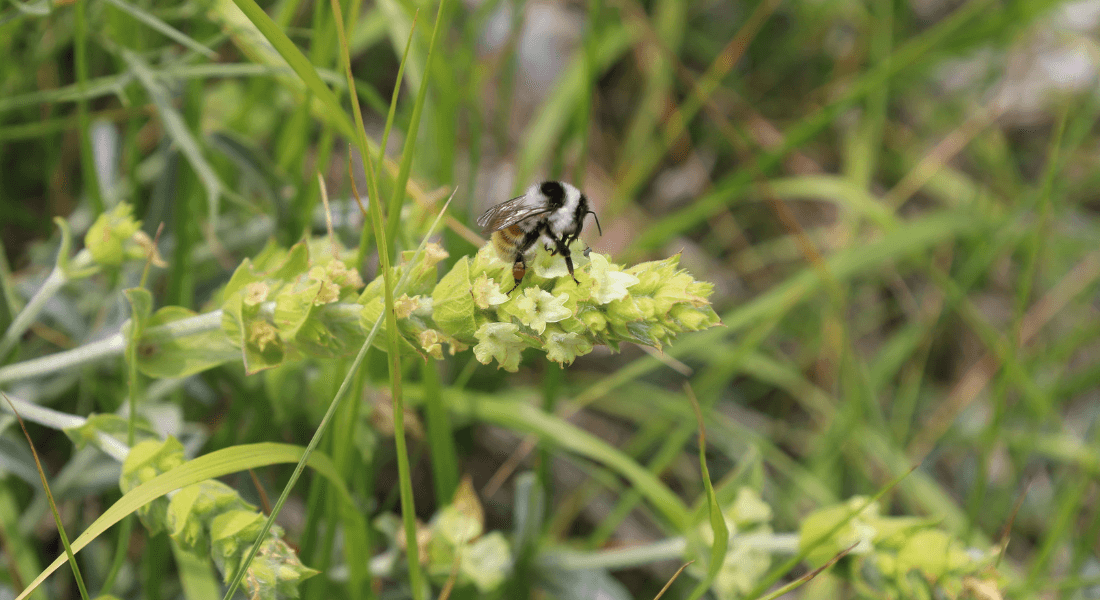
x: 894, y: 200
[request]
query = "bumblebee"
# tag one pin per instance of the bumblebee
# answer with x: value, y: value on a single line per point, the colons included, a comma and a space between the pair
x: 552, y: 212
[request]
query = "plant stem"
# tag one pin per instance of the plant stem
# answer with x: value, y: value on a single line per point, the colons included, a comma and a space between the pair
x: 670, y: 549
x: 26, y: 317
x: 60, y: 421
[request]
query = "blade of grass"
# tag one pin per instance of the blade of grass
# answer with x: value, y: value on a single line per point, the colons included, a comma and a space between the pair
x: 410, y: 137
x: 87, y: 157
x: 364, y: 235
x: 177, y: 129
x: 797, y: 583
x: 670, y: 450
x: 397, y: 89
x: 668, y: 584
x: 441, y: 442
x: 556, y: 112
x: 300, y: 64
x: 717, y: 519
x: 170, y: 32
x: 733, y: 186
x: 641, y: 166
x: 408, y: 509
x: 69, y: 552
x: 524, y: 417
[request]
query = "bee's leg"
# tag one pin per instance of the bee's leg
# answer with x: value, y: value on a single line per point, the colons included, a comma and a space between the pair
x: 519, y: 269
x: 569, y: 265
x: 563, y: 249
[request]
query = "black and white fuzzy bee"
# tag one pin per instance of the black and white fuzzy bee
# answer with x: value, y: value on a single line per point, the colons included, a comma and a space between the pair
x: 551, y: 211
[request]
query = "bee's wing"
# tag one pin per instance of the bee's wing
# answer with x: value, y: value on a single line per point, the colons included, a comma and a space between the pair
x: 508, y: 213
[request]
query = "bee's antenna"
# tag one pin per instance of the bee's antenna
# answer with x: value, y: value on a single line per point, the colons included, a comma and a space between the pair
x: 598, y: 228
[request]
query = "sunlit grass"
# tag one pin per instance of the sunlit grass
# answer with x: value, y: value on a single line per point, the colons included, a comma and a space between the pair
x: 904, y: 255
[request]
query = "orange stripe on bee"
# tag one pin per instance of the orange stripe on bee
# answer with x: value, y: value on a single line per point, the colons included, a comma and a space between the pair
x: 506, y: 248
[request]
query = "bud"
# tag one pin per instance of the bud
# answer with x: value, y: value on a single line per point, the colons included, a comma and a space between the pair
x: 110, y: 238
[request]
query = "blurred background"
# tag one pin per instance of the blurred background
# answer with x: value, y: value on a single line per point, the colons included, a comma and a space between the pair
x: 894, y: 199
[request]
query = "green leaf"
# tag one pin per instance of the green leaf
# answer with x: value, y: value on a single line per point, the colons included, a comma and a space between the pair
x: 112, y: 425
x: 453, y: 305
x: 180, y: 356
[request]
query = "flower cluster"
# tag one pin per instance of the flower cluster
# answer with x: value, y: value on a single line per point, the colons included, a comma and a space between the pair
x: 210, y: 518
x: 317, y: 309
x: 894, y: 548
x: 648, y: 304
x: 274, y: 306
x: 455, y: 538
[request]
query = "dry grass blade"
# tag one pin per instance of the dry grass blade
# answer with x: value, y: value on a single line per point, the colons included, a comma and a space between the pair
x: 668, y: 584
x: 947, y: 149
x: 328, y: 213
x: 970, y: 385
x: 808, y: 576
x: 1006, y: 532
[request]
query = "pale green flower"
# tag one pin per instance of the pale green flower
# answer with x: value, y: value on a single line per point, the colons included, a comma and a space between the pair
x: 328, y: 291
x: 256, y: 293
x: 405, y: 306
x: 432, y: 343
x: 344, y: 277
x: 487, y: 292
x: 537, y: 307
x: 262, y: 334
x: 748, y: 508
x: 434, y: 253
x: 607, y: 284
x: 743, y: 567
x: 562, y: 347
x: 487, y: 561
x: 500, y: 341
x: 455, y: 526
x: 858, y: 530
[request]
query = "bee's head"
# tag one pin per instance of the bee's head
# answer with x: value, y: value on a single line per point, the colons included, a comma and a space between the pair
x: 554, y: 192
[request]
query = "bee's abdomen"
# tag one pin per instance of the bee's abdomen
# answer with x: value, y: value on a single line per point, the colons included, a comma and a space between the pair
x: 507, y: 241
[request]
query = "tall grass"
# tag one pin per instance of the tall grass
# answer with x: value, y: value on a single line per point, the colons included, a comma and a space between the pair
x: 895, y: 202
